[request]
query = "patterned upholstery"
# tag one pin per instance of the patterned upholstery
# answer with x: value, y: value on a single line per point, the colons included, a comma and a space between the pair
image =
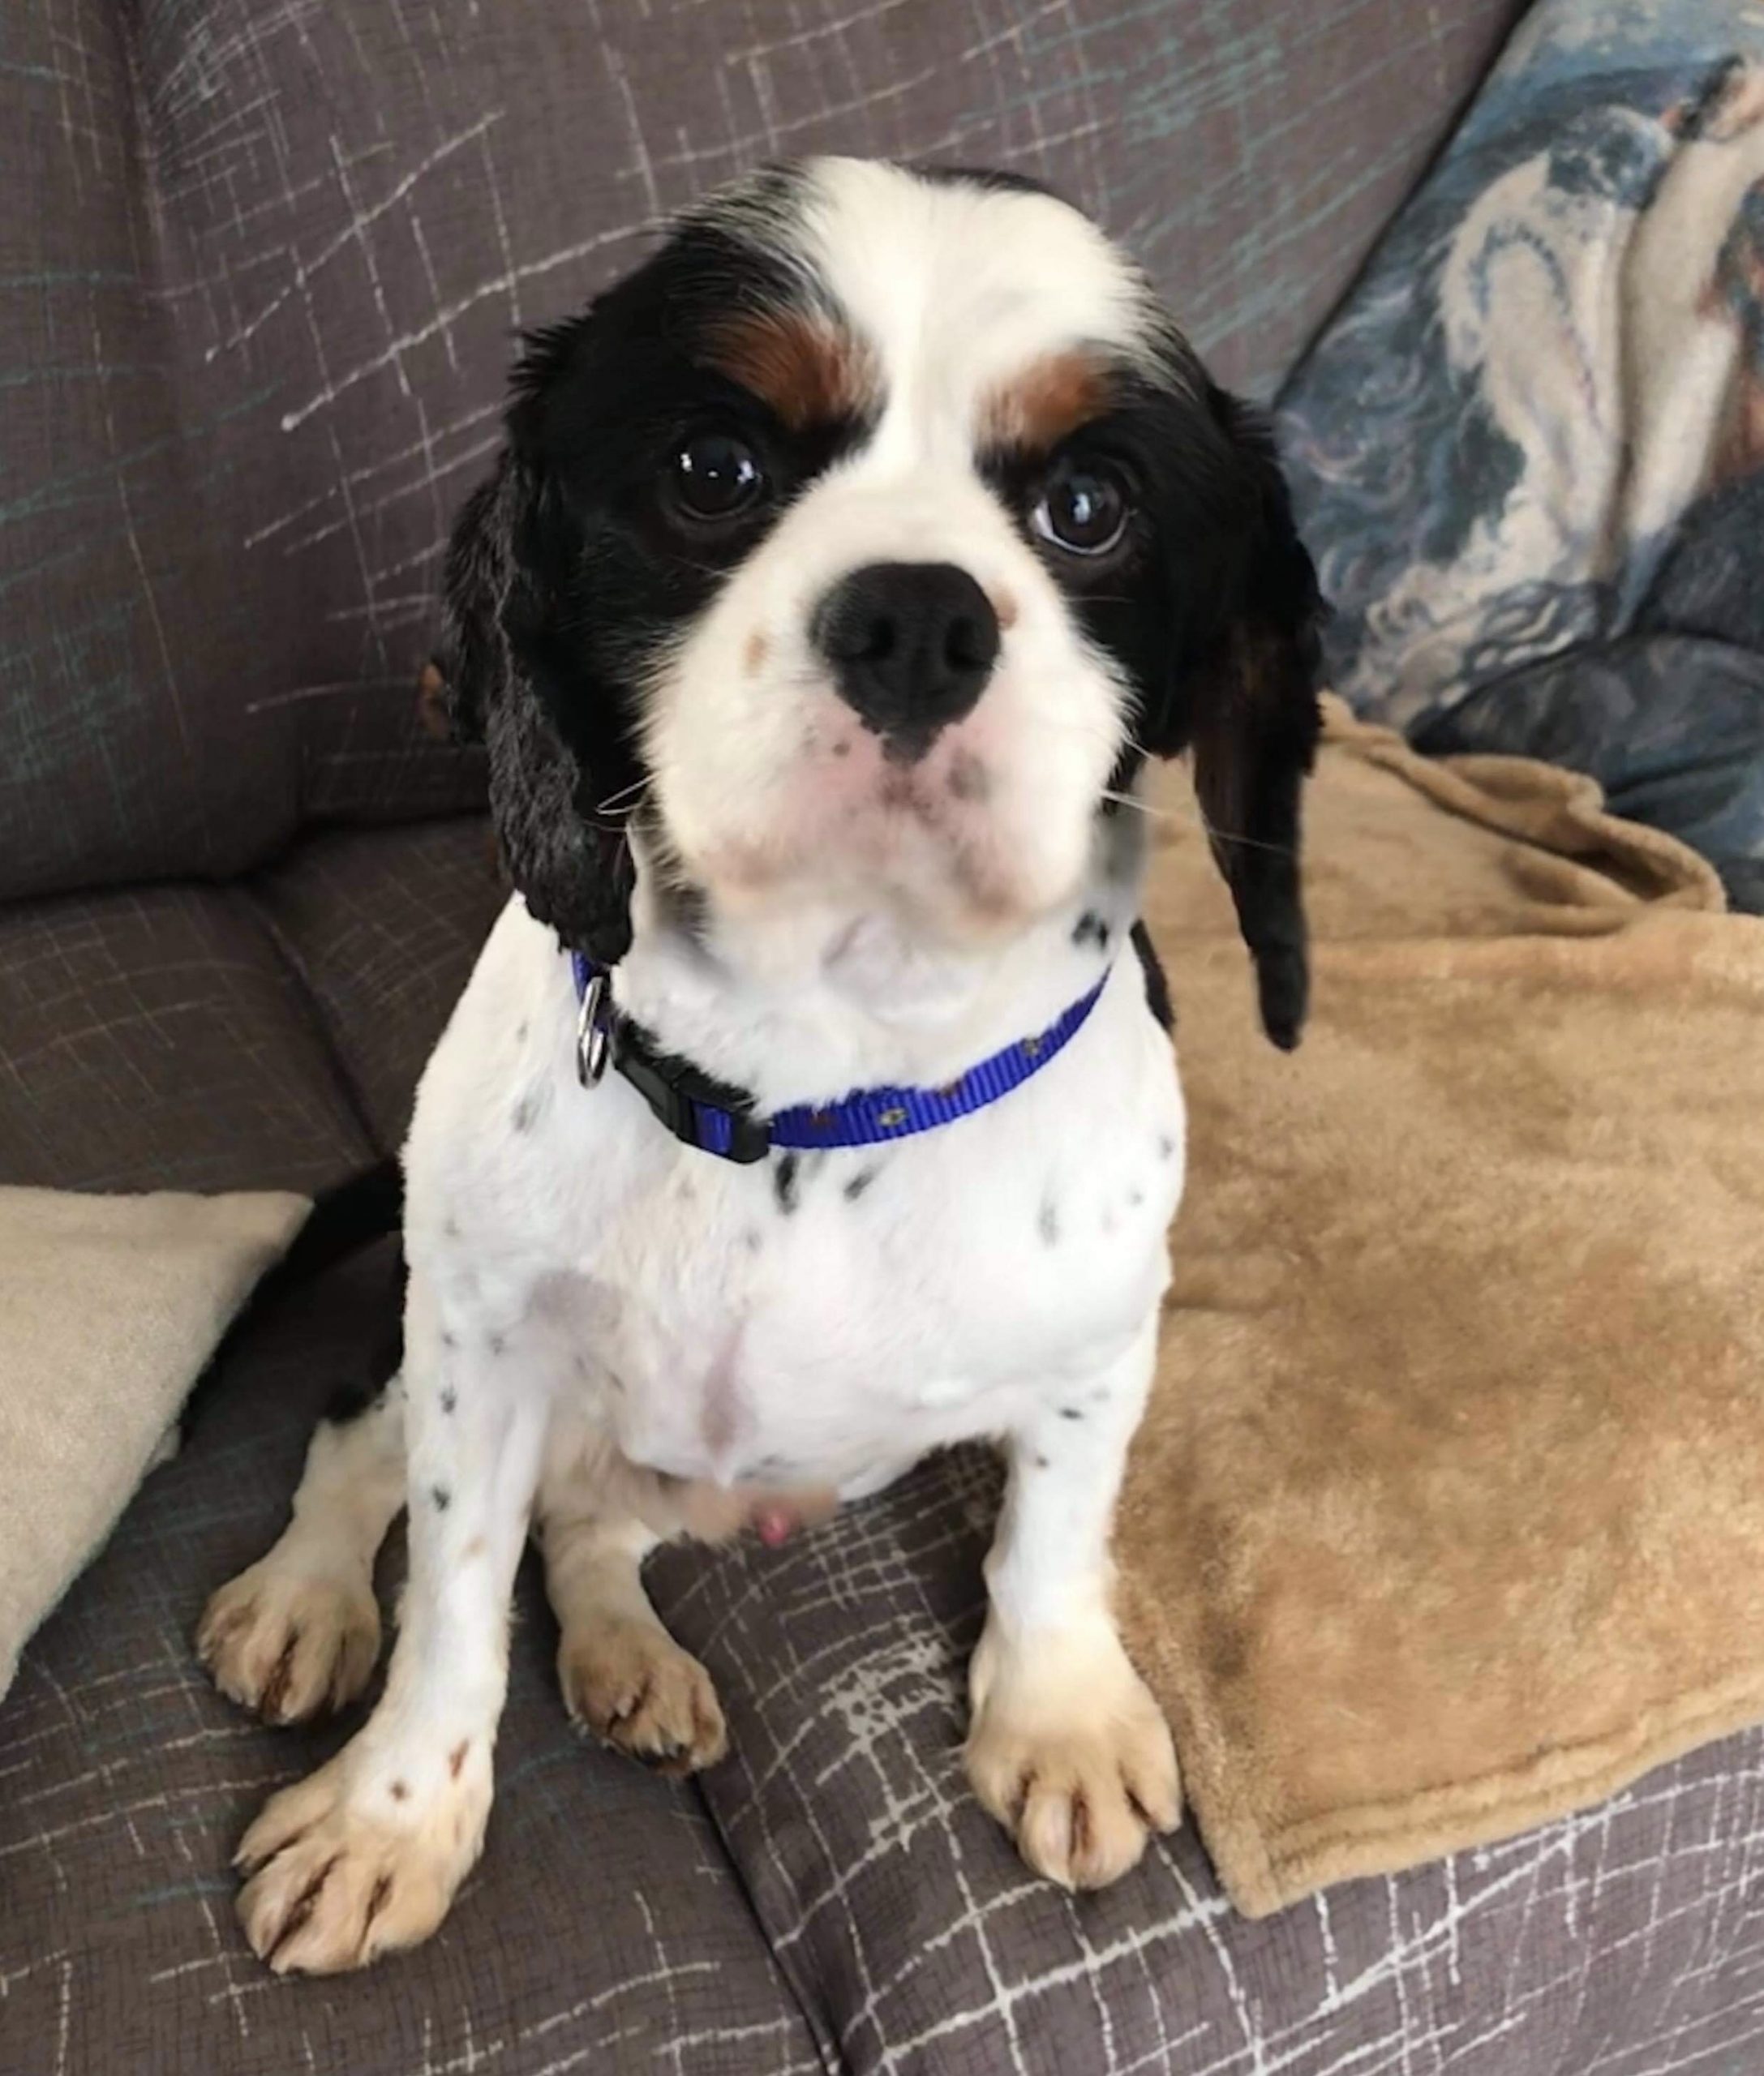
x: 604, y: 1930
x: 1622, y: 1942
x: 153, y: 1039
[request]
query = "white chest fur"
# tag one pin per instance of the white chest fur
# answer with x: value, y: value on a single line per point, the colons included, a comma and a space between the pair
x: 821, y: 1319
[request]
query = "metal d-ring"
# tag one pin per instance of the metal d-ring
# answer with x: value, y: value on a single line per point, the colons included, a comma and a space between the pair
x: 593, y: 1033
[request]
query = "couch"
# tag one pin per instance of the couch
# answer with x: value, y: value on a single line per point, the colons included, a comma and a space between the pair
x: 263, y: 264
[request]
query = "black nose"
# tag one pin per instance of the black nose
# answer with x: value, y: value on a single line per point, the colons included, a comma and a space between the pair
x: 911, y: 645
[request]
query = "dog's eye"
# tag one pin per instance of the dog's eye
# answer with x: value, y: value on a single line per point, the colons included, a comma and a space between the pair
x: 715, y: 476
x: 1083, y: 511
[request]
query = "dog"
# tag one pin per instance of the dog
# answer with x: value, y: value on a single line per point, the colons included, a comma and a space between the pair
x: 810, y: 1107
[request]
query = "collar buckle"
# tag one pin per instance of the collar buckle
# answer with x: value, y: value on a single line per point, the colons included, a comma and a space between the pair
x: 594, y: 1032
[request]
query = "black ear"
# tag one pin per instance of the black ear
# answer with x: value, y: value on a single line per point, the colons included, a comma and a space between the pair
x: 1245, y: 699
x: 558, y: 750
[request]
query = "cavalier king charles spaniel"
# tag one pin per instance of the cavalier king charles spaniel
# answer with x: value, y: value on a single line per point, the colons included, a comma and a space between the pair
x: 811, y: 1106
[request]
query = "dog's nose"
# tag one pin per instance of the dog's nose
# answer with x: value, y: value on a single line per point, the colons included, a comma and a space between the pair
x: 911, y: 645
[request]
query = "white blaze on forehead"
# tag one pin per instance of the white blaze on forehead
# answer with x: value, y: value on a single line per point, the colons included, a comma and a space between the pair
x: 959, y: 287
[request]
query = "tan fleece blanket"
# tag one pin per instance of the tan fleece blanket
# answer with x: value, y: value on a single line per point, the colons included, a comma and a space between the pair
x: 1447, y: 1515
x: 109, y: 1306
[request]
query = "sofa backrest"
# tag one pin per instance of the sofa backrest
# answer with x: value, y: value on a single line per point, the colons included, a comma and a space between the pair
x: 262, y: 264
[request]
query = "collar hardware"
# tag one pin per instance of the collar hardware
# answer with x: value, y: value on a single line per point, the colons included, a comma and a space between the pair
x: 594, y: 1030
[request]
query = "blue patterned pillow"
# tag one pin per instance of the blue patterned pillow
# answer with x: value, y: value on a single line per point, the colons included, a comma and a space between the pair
x: 1529, y: 449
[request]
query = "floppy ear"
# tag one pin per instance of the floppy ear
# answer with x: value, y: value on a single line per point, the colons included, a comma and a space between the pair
x: 1245, y: 701
x: 557, y: 749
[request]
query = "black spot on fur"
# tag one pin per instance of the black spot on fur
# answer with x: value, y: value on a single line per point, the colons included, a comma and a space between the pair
x: 1043, y: 1463
x: 450, y: 1338
x: 527, y: 1111
x: 520, y: 1032
x: 751, y: 1240
x: 1136, y: 1198
x: 784, y: 1186
x: 860, y: 1182
x: 1047, y: 1222
x: 440, y: 1498
x: 1091, y: 928
x: 1166, y: 1146
x: 1071, y: 1412
x: 449, y: 1398
x: 496, y: 1344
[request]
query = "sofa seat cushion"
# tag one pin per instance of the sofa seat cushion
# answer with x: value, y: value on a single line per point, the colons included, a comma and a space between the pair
x: 604, y: 1928
x: 1619, y: 1942
x: 156, y: 1039
x: 383, y: 927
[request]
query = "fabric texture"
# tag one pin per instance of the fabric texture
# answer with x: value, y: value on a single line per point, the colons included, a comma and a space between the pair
x: 603, y: 1931
x: 1621, y: 1941
x: 1530, y: 447
x: 380, y: 928
x: 263, y: 261
x: 153, y: 1038
x: 109, y: 1306
x: 1445, y: 1517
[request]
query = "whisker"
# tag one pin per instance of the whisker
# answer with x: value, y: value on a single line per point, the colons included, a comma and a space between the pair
x: 1198, y: 819
x: 638, y: 786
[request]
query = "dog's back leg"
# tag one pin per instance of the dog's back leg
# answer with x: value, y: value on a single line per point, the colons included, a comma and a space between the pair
x: 623, y: 1677
x: 298, y: 1630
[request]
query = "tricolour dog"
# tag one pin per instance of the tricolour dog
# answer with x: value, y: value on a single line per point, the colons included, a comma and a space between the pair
x: 809, y: 1107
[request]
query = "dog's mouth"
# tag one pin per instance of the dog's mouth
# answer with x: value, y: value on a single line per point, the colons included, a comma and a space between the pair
x: 919, y: 835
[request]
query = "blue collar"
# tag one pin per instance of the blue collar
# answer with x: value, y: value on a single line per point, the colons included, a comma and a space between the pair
x: 719, y: 1119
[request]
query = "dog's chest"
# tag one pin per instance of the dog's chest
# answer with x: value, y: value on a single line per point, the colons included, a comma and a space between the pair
x: 828, y: 1319
x: 816, y: 1319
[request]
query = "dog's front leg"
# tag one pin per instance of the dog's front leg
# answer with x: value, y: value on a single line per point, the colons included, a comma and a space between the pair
x: 1066, y: 1747
x: 365, y: 1856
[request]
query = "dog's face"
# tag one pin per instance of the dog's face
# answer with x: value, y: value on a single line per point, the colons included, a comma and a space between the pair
x: 848, y: 557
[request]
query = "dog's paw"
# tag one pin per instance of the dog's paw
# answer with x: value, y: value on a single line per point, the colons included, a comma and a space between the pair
x: 1071, y: 1754
x: 631, y: 1684
x: 286, y: 1641
x: 357, y: 1860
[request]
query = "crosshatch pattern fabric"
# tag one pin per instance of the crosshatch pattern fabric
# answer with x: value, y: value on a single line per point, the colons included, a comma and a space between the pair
x: 1624, y: 1942
x: 605, y: 1930
x: 832, y: 1899
x: 263, y: 262
x: 153, y: 1038
x: 382, y: 927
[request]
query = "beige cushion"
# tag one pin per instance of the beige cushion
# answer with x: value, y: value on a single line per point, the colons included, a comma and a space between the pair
x: 109, y: 1306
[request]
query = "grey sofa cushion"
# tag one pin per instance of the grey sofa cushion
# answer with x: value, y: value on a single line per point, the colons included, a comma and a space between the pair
x: 383, y: 927
x: 604, y: 1929
x: 262, y: 265
x: 1622, y: 1942
x: 155, y: 1039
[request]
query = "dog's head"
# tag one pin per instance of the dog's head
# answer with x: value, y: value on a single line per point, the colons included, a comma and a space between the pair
x: 851, y: 555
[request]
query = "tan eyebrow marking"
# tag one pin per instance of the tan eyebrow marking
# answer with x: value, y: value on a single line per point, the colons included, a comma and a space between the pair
x: 1040, y: 403
x: 808, y: 369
